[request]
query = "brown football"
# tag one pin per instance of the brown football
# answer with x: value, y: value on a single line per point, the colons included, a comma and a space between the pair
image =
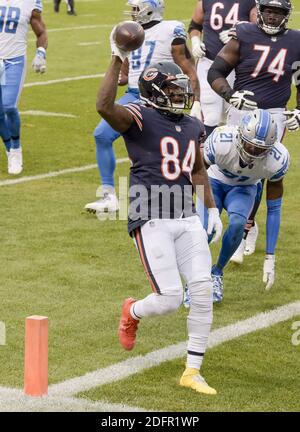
x: 129, y: 35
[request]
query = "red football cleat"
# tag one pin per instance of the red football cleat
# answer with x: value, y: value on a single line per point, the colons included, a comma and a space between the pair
x: 128, y: 326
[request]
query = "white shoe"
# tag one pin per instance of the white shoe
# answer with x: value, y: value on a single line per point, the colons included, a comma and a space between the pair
x: 251, y: 240
x: 238, y: 256
x: 15, y: 161
x: 109, y: 203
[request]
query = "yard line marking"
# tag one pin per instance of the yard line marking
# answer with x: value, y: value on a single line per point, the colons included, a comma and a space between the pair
x: 137, y: 364
x: 83, y: 27
x: 89, y: 43
x: 10, y: 182
x: 12, y: 400
x: 43, y: 83
x: 47, y: 114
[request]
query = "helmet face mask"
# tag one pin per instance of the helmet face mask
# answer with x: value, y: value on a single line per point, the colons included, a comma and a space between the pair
x: 257, y: 136
x: 145, y: 11
x: 165, y: 87
x: 273, y: 15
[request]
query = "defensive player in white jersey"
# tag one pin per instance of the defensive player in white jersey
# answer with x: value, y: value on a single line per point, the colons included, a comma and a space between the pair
x: 238, y: 157
x: 213, y: 19
x: 164, y: 41
x: 15, y: 17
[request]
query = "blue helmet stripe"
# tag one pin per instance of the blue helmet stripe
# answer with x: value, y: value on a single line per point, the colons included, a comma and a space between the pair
x: 263, y: 126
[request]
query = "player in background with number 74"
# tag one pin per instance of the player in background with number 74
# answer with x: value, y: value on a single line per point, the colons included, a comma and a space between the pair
x: 164, y: 41
x: 264, y: 55
x: 15, y: 17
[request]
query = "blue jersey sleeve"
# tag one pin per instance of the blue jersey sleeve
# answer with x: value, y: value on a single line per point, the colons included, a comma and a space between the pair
x: 283, y: 169
x: 38, y: 5
x: 179, y: 32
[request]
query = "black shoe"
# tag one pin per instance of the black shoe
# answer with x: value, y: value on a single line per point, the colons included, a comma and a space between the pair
x: 72, y: 13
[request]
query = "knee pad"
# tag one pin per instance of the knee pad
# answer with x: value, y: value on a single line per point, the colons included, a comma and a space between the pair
x: 169, y: 303
x: 104, y: 135
x: 236, y: 225
x: 201, y: 294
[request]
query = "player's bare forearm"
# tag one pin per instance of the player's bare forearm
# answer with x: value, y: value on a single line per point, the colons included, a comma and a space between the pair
x: 274, y: 190
x: 182, y: 57
x: 195, y: 28
x: 116, y: 115
x: 39, y: 28
x: 201, y: 182
x: 224, y: 63
x: 123, y: 77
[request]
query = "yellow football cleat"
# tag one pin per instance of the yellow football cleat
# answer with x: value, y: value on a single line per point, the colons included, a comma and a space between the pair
x: 191, y: 378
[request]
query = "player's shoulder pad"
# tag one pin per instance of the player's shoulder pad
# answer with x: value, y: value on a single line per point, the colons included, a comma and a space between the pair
x: 219, y: 143
x: 278, y: 162
x: 136, y: 109
x: 242, y: 29
x: 37, y: 5
x: 177, y: 29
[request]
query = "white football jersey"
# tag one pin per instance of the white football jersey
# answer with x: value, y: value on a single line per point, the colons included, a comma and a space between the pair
x: 221, y: 153
x: 156, y: 47
x: 15, y: 17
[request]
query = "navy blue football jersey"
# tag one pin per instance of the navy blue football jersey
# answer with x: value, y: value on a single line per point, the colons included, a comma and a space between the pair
x: 266, y: 64
x: 162, y: 152
x: 219, y: 16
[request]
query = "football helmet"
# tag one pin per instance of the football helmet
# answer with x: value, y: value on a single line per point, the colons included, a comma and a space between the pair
x: 164, y: 86
x: 257, y: 135
x: 271, y: 24
x: 144, y: 11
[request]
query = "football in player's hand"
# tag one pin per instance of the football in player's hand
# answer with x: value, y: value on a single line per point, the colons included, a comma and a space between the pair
x: 129, y: 35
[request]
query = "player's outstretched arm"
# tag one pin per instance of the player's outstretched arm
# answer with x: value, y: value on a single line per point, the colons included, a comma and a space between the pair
x: 200, y: 180
x: 225, y: 62
x: 274, y: 199
x: 116, y: 115
x: 39, y: 28
x: 183, y: 58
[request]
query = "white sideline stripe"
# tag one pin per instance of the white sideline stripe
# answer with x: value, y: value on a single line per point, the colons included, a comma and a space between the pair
x: 43, y: 83
x: 47, y: 114
x: 137, y: 364
x: 54, y: 174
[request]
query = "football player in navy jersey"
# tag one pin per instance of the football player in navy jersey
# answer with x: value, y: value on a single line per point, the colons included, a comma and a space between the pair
x: 165, y: 40
x: 263, y: 56
x: 214, y: 19
x: 163, y: 145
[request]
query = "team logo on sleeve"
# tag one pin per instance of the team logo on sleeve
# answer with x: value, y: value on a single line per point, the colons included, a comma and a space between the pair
x: 150, y: 74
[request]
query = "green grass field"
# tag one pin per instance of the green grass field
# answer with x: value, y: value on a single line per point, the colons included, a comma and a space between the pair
x: 58, y: 261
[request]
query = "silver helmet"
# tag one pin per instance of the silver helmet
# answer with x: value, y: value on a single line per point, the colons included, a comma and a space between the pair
x: 257, y: 135
x: 144, y: 11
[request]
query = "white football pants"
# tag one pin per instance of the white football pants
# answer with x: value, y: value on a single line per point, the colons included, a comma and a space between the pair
x: 213, y: 106
x: 170, y: 248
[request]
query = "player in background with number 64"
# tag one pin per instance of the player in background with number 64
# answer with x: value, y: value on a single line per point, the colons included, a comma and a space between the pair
x: 164, y: 41
x: 15, y: 17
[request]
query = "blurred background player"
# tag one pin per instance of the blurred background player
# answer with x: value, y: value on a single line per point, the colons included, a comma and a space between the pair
x: 70, y: 6
x: 16, y: 15
x: 263, y: 55
x: 174, y: 241
x: 238, y: 157
x: 164, y: 41
x: 4, y: 130
x: 214, y: 19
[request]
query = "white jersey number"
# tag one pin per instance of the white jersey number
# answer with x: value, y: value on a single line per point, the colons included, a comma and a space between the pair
x: 276, y: 67
x: 216, y: 20
x: 9, y: 19
x: 171, y: 159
